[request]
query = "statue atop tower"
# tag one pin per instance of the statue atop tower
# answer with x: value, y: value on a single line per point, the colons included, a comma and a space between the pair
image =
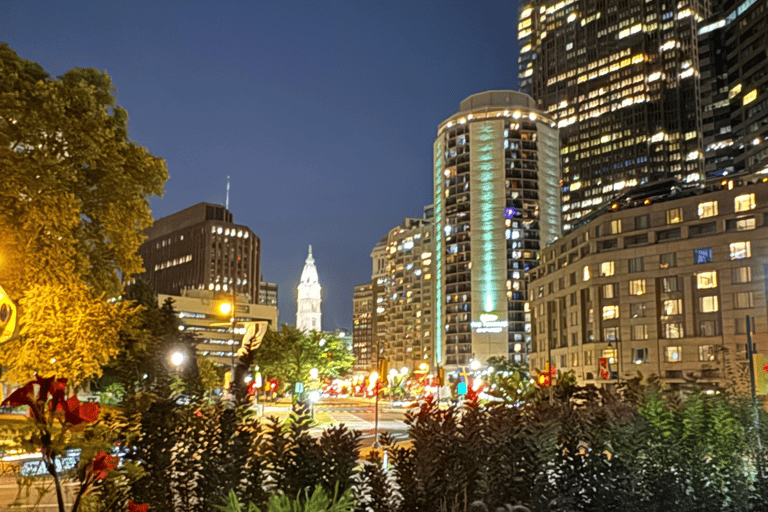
x: 308, y: 304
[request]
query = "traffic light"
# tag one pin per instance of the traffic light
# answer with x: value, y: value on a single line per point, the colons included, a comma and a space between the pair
x: 441, y: 376
x: 543, y: 380
x: 227, y: 380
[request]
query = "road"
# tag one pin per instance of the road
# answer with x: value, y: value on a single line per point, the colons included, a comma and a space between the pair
x: 356, y: 414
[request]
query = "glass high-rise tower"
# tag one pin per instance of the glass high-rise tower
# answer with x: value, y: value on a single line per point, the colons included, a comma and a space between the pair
x: 621, y: 80
x: 496, y: 204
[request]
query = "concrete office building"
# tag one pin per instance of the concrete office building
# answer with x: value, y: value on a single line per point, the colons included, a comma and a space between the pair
x: 496, y: 204
x: 661, y: 283
x: 369, y: 308
x: 198, y: 311
x: 201, y: 248
x: 268, y: 294
x: 621, y: 80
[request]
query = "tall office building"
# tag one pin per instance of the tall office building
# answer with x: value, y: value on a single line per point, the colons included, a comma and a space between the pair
x: 496, y: 204
x: 308, y: 314
x: 621, y: 81
x: 734, y: 78
x: 201, y: 248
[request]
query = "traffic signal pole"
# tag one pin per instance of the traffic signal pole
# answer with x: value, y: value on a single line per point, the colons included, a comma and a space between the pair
x: 751, y: 354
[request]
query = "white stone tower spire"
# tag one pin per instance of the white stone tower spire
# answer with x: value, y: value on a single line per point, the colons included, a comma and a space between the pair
x: 308, y: 306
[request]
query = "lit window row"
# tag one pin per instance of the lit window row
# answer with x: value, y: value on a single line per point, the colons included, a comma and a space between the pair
x: 173, y: 262
x: 218, y: 230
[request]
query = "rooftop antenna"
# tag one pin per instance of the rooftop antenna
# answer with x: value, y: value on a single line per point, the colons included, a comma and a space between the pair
x: 226, y: 205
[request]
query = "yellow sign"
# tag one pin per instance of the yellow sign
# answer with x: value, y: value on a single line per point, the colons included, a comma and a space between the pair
x: 761, y: 373
x: 8, y: 317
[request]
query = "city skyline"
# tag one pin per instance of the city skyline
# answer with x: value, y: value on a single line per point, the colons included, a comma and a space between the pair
x: 341, y: 99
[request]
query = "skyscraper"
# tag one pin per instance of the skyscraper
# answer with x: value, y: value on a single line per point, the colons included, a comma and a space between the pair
x: 621, y: 81
x: 496, y: 204
x: 406, y: 322
x: 308, y: 316
x: 734, y: 59
x: 201, y: 248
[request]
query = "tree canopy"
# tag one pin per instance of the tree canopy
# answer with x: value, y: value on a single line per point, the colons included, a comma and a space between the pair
x: 290, y: 354
x: 75, y: 200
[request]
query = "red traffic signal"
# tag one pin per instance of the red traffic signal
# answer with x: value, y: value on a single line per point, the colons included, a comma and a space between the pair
x: 543, y: 380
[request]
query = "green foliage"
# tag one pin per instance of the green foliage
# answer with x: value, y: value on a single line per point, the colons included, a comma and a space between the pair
x: 510, y: 381
x: 290, y: 354
x: 211, y: 374
x: 75, y: 200
x: 318, y: 501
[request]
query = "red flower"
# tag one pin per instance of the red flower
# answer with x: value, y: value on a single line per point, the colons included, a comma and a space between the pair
x: 135, y: 507
x: 101, y: 463
x: 75, y: 413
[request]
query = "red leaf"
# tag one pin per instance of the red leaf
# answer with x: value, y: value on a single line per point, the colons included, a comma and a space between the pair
x: 135, y: 507
x: 101, y: 463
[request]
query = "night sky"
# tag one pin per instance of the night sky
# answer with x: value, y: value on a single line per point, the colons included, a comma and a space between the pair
x: 322, y: 113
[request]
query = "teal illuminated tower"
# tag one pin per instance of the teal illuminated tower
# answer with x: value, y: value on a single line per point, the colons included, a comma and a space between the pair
x: 497, y: 203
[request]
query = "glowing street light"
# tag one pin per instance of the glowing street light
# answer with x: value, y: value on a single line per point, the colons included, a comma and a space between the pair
x: 225, y: 308
x: 475, y: 364
x: 313, y: 373
x: 177, y: 358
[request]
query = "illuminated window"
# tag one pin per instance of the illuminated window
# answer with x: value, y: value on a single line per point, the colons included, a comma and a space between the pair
x: 742, y: 300
x: 672, y: 330
x: 742, y: 275
x: 674, y: 216
x: 614, y: 227
x: 637, y: 287
x: 705, y: 280
x: 606, y: 269
x: 708, y: 304
x: 609, y: 291
x: 673, y: 354
x: 610, y: 312
x: 740, y: 250
x: 586, y: 274
x: 703, y: 255
x: 708, y: 209
x: 672, y: 307
x: 744, y: 202
x: 706, y: 352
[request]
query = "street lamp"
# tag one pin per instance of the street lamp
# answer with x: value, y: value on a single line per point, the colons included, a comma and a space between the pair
x: 177, y: 358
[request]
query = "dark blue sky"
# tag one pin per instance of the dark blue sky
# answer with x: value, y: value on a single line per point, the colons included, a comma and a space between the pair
x: 322, y: 113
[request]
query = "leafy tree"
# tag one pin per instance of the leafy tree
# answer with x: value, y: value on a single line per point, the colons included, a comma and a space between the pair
x: 290, y: 354
x: 211, y: 374
x: 142, y: 365
x: 510, y: 381
x: 75, y: 200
